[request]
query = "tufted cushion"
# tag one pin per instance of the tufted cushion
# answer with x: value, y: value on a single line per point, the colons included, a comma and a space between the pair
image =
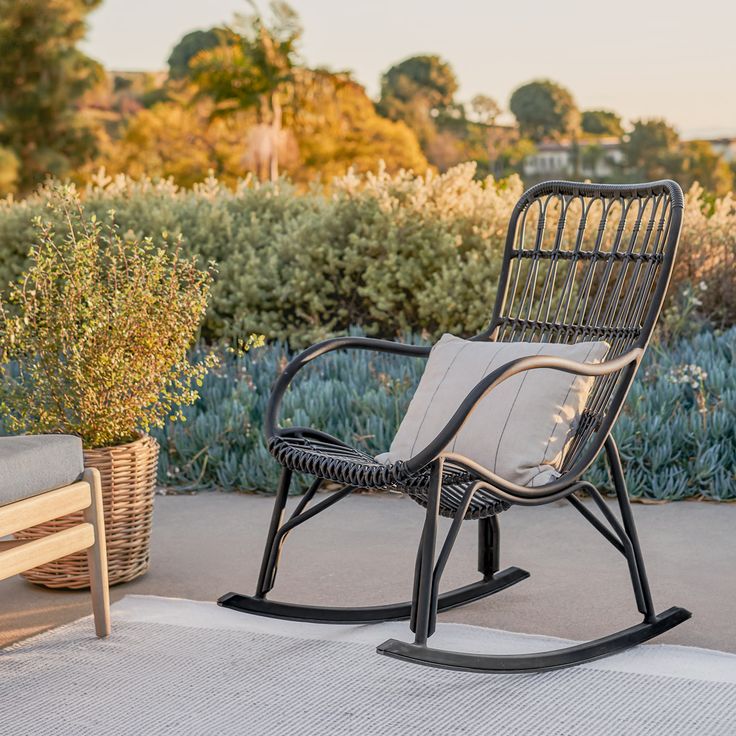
x: 32, y: 464
x: 521, y: 428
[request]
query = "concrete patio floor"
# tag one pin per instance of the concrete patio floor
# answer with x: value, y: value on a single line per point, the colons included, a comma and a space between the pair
x: 362, y: 552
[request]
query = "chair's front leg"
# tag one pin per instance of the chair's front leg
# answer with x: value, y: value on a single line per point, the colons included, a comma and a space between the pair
x: 423, y: 591
x: 270, y: 561
x: 97, y: 555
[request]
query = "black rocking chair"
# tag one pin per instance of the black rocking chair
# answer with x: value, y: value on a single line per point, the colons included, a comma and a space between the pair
x: 581, y: 262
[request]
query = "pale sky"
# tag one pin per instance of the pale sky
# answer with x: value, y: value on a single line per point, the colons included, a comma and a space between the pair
x: 642, y: 58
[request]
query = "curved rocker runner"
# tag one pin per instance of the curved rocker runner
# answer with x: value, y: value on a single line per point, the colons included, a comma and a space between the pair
x: 581, y: 262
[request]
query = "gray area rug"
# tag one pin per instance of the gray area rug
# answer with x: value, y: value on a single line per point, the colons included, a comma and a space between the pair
x: 179, y: 667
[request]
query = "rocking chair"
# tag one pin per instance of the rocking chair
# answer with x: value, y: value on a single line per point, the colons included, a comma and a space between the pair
x: 581, y: 262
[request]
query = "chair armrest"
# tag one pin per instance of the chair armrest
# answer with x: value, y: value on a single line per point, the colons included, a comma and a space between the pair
x: 493, y: 379
x: 321, y: 348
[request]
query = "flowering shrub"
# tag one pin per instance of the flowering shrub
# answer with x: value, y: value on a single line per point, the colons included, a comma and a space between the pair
x: 94, y: 337
x: 707, y: 254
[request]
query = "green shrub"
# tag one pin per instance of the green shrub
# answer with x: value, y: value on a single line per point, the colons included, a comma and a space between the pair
x: 387, y: 253
x: 677, y: 433
x: 95, y: 340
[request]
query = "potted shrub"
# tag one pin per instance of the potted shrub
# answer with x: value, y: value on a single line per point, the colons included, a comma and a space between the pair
x: 94, y: 342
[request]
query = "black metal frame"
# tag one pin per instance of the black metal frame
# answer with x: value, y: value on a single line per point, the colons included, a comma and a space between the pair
x: 492, y: 581
x: 614, y: 292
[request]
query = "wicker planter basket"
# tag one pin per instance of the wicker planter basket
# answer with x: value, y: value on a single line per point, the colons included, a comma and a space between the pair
x: 128, y: 484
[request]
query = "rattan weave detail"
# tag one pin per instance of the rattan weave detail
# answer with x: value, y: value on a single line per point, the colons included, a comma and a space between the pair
x: 349, y: 466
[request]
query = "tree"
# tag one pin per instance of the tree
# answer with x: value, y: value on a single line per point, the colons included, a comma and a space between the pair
x: 700, y: 163
x: 485, y: 109
x: 602, y: 122
x: 651, y: 150
x: 182, y: 140
x: 42, y: 75
x: 416, y: 90
x: 336, y: 127
x: 544, y: 109
x: 253, y: 69
x: 330, y: 124
x: 189, y: 46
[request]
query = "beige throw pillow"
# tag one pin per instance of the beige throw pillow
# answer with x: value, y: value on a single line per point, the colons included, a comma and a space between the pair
x: 521, y: 428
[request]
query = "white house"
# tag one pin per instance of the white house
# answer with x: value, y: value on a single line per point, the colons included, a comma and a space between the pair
x: 596, y: 158
x: 724, y: 147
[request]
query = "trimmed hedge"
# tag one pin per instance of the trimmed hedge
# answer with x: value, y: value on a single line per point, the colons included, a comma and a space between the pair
x: 677, y: 433
x: 389, y: 254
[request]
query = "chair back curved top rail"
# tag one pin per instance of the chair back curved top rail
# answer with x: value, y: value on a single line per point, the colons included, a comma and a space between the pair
x: 589, y: 262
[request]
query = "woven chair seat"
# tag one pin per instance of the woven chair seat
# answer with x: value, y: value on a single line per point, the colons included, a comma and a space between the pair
x: 340, y: 463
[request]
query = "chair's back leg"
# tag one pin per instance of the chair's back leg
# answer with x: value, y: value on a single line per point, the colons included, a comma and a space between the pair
x: 415, y: 590
x: 97, y: 556
x: 627, y: 518
x: 489, y: 551
x: 269, y: 563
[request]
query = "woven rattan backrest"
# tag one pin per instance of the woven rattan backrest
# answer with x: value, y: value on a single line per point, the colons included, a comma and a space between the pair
x: 588, y: 262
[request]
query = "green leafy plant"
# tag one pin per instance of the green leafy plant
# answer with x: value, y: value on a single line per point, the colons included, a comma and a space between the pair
x: 94, y: 336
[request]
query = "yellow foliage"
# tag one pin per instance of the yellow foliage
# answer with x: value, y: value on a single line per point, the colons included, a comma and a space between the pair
x: 337, y: 128
x: 330, y: 125
x: 94, y: 337
x: 182, y: 141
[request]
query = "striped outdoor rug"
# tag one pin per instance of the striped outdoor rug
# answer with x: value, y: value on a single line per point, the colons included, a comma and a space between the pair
x: 183, y: 667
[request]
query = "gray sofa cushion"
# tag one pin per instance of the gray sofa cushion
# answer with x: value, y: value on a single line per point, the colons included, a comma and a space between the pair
x: 32, y: 464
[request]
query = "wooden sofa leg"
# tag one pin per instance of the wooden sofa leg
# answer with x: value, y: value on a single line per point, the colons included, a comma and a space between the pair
x: 97, y: 556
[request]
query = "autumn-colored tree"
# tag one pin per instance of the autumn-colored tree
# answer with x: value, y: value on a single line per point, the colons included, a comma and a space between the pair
x: 544, y: 109
x: 181, y: 139
x: 337, y: 127
x: 42, y: 75
x: 330, y: 126
x: 253, y: 69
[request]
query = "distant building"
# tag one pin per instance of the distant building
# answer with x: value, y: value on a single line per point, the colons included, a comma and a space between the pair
x: 595, y: 158
x: 589, y: 158
x: 724, y: 147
